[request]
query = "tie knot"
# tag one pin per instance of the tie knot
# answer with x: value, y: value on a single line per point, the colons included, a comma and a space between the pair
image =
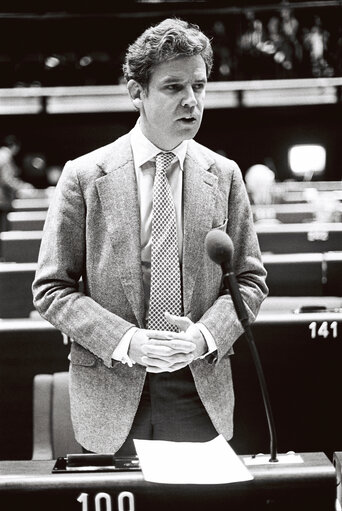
x: 163, y: 161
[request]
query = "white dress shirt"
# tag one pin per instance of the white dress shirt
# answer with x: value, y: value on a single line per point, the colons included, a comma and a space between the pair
x: 144, y: 154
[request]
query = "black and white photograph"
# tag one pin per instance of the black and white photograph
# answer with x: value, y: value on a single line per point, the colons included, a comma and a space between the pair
x: 171, y: 255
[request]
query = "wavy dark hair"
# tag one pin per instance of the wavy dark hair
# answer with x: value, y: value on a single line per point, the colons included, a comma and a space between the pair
x: 169, y: 39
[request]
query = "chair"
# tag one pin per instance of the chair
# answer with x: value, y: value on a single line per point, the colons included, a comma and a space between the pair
x: 53, y: 434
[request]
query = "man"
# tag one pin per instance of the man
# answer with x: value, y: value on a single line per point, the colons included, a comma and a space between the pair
x: 151, y: 335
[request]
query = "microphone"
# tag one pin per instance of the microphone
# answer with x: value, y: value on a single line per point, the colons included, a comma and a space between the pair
x: 220, y: 249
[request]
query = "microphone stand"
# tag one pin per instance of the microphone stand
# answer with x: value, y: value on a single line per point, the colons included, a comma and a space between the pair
x: 230, y: 282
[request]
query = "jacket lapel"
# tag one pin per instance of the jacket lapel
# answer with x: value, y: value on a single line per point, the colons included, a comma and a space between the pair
x: 118, y: 194
x: 200, y: 189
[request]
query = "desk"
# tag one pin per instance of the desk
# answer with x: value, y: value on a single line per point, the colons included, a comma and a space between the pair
x: 292, y: 213
x: 30, y: 485
x: 27, y: 347
x: 16, y: 299
x: 301, y: 357
x: 20, y: 246
x: 34, y: 204
x: 299, y: 238
x: 26, y: 220
x: 294, y: 274
x: 311, y: 274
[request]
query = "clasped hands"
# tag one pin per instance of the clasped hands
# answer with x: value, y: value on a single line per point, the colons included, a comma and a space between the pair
x: 163, y: 351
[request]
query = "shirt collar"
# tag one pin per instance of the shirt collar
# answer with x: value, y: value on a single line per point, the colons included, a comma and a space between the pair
x: 144, y: 150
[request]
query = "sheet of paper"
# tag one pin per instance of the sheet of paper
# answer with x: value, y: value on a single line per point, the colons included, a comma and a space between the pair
x: 212, y: 462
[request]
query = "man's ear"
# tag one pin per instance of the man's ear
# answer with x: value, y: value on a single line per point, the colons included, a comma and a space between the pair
x: 135, y: 91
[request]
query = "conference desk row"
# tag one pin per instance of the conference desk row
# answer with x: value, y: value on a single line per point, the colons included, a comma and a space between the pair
x: 283, y: 213
x: 280, y: 487
x: 23, y: 246
x: 301, y: 354
x: 313, y: 274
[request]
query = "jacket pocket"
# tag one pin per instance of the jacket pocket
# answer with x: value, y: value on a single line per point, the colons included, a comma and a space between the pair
x: 79, y: 356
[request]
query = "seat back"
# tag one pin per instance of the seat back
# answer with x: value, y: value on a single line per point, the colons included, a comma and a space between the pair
x: 53, y: 434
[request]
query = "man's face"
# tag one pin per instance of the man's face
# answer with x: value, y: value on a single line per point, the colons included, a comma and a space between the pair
x: 172, y: 107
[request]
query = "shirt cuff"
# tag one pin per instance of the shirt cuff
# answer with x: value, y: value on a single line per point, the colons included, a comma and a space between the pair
x: 121, y: 351
x: 209, y: 339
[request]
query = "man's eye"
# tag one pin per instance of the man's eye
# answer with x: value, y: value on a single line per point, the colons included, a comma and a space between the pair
x: 198, y: 86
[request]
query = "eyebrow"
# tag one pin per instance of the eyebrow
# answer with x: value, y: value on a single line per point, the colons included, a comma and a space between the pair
x: 173, y: 79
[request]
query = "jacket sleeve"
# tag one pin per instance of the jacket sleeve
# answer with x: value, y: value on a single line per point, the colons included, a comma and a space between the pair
x: 221, y: 319
x: 56, y: 288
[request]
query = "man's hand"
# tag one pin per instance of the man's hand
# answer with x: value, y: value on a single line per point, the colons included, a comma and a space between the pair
x: 161, y: 351
x: 164, y: 351
x: 192, y: 332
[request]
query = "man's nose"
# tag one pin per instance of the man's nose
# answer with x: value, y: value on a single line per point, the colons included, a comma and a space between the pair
x: 189, y: 100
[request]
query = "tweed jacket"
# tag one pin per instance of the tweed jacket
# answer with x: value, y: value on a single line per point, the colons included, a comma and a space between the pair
x: 92, y: 233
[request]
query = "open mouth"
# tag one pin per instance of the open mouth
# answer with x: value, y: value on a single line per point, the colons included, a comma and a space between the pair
x: 188, y: 120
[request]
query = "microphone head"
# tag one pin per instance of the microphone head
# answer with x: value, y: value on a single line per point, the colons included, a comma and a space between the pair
x: 219, y: 247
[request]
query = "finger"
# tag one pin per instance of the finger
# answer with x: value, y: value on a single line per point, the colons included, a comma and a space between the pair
x: 182, y: 322
x: 160, y: 334
x: 175, y: 367
x: 164, y: 335
x: 167, y: 361
x: 157, y: 349
x: 182, y: 346
x: 176, y: 344
x: 157, y: 363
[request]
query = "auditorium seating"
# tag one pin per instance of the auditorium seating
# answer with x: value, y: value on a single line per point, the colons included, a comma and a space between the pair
x: 290, y: 213
x: 288, y: 275
x: 15, y: 289
x: 53, y: 434
x: 297, y: 197
x: 304, y: 270
x: 299, y: 274
x: 34, y: 204
x: 20, y: 246
x: 23, y: 246
x: 300, y: 238
x: 26, y: 220
x: 28, y: 347
x: 333, y: 283
x: 300, y: 353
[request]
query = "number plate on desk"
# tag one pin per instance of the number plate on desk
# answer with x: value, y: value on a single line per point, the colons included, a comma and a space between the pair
x: 103, y: 501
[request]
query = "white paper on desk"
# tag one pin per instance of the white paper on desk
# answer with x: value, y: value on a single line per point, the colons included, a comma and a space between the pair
x: 212, y: 462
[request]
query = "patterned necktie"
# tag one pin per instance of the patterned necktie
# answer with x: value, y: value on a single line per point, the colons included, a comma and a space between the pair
x: 166, y: 294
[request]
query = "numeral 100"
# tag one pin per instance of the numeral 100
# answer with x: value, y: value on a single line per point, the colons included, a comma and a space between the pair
x: 103, y: 501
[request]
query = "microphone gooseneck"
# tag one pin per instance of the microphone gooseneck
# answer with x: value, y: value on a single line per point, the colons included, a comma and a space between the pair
x: 220, y: 249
